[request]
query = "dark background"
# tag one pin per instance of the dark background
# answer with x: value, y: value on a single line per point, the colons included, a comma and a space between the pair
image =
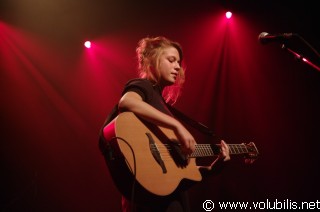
x: 55, y: 95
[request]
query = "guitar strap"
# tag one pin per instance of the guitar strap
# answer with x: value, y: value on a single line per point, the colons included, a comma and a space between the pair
x: 195, y: 124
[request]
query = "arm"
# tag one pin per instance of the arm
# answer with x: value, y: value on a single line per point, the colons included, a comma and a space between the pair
x: 132, y: 101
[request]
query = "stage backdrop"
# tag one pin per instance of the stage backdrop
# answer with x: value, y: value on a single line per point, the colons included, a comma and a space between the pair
x: 56, y: 94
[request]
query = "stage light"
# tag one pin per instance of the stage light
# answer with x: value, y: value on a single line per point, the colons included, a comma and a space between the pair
x: 87, y: 44
x: 228, y: 14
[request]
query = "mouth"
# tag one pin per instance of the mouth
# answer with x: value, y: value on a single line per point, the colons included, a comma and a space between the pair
x: 175, y: 75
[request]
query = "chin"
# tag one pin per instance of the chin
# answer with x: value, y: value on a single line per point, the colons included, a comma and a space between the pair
x: 168, y: 82
x: 171, y: 82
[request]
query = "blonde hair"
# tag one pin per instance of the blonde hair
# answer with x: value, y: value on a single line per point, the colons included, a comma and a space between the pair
x: 148, y: 52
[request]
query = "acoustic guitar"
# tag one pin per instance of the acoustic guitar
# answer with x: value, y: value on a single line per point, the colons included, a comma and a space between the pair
x: 150, y: 156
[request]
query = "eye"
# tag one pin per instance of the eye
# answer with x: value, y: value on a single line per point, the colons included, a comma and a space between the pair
x: 172, y: 59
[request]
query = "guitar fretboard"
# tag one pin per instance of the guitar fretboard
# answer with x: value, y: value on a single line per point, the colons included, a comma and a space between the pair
x: 206, y: 150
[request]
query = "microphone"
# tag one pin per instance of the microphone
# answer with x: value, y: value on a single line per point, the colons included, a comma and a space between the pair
x: 265, y: 37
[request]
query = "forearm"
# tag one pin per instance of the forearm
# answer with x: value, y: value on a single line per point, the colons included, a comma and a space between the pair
x: 132, y: 102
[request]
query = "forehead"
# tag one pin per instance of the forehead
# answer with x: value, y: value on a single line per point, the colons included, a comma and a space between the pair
x: 171, y: 52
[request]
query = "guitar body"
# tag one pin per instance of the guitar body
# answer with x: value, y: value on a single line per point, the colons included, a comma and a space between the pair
x: 141, y: 151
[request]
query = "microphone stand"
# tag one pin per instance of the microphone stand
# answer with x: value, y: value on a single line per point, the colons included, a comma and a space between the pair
x: 300, y: 57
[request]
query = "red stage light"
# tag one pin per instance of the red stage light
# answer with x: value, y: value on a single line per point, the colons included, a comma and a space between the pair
x: 228, y: 14
x: 87, y: 44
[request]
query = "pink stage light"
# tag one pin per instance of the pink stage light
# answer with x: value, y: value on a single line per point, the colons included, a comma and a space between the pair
x: 228, y: 14
x: 87, y: 44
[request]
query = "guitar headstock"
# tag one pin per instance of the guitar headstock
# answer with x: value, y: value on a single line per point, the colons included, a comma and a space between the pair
x: 252, y: 153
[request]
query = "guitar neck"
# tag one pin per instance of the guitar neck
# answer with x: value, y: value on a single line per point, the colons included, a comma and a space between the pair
x: 206, y: 150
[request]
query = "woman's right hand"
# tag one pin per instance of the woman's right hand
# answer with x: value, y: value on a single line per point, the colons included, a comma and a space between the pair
x: 187, y: 141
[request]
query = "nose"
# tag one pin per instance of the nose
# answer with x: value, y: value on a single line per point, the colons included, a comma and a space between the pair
x: 177, y: 66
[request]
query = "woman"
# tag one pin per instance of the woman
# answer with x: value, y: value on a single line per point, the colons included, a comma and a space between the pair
x: 161, y: 78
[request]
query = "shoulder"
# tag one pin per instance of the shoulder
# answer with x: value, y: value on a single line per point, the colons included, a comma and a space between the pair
x: 139, y: 82
x: 141, y: 86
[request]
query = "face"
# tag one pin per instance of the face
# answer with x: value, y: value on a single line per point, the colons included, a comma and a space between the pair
x: 169, y: 66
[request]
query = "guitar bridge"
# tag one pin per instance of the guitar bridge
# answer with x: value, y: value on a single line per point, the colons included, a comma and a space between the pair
x: 155, y: 152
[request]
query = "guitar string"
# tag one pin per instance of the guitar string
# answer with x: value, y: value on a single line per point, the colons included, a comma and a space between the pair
x: 165, y: 149
x: 233, y: 150
x: 202, y: 150
x: 199, y: 152
x: 208, y: 146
